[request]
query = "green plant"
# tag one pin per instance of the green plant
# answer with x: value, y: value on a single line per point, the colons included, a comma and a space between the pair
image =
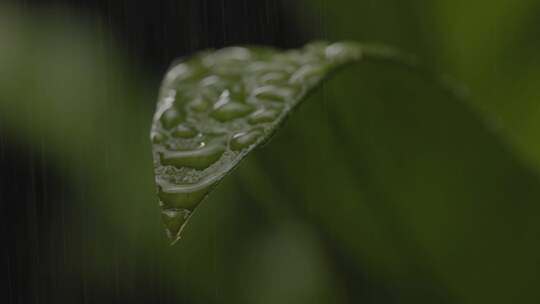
x: 380, y: 185
x: 218, y: 106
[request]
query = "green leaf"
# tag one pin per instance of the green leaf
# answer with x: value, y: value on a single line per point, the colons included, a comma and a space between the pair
x: 218, y: 106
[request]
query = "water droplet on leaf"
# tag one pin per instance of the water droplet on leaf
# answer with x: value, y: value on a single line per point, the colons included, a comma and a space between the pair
x: 243, y: 140
x: 199, y: 158
x: 274, y: 93
x: 264, y: 115
x: 183, y: 196
x: 171, y: 117
x: 184, y: 131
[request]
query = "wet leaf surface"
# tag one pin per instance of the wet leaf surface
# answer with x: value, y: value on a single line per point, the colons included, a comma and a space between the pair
x: 218, y: 106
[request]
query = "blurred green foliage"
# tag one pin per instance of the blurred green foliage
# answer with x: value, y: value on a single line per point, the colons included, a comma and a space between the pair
x: 491, y: 46
x: 380, y: 190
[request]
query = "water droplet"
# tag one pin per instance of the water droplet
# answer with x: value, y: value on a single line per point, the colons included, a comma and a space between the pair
x: 199, y: 105
x: 184, y: 98
x: 211, y: 81
x: 245, y: 139
x: 233, y: 53
x: 224, y: 98
x: 316, y: 47
x: 174, y: 220
x: 274, y: 93
x: 184, y: 131
x: 313, y: 53
x: 231, y: 110
x: 185, y: 197
x: 238, y: 93
x: 266, y: 67
x: 158, y: 138
x: 178, y: 73
x: 171, y: 118
x: 309, y: 72
x: 273, y: 78
x: 228, y: 60
x: 343, y: 51
x: 198, y: 159
x: 264, y: 115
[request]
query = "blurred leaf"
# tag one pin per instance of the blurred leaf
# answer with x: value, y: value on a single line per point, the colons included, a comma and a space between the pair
x: 484, y: 44
x: 449, y: 186
x: 497, y: 48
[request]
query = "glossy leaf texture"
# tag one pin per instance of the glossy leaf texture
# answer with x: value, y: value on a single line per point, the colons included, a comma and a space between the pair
x: 217, y: 106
